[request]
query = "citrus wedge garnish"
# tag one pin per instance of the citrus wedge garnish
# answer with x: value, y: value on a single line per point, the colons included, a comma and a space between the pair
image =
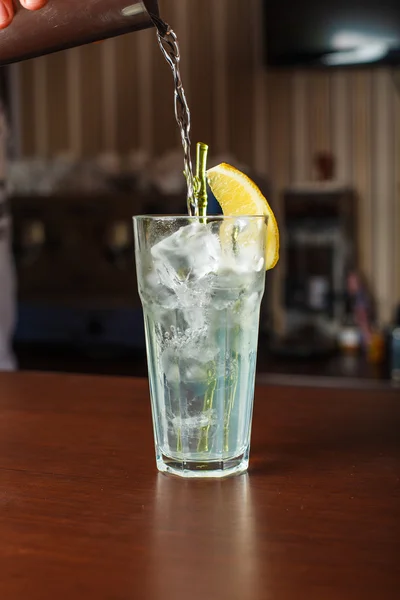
x: 239, y: 195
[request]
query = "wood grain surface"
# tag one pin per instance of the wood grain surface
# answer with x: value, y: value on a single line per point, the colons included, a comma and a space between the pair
x: 84, y: 513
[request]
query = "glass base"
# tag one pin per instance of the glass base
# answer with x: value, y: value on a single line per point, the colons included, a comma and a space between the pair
x: 204, y: 469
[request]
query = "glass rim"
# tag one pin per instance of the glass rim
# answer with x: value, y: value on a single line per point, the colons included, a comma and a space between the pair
x: 196, y: 218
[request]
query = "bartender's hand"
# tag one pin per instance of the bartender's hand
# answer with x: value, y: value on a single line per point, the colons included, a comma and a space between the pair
x: 7, y: 9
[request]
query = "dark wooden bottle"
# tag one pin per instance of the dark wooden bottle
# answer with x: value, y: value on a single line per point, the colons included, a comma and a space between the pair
x: 64, y: 24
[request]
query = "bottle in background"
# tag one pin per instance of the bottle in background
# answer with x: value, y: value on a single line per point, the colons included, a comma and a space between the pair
x: 376, y: 347
x: 349, y: 338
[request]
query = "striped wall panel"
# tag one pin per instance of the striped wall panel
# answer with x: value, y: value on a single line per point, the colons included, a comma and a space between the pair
x: 117, y: 96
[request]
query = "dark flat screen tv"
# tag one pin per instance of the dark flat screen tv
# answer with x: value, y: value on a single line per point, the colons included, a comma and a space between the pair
x: 331, y: 33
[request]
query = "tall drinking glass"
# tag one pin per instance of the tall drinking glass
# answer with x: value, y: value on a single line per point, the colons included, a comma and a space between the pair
x: 201, y: 281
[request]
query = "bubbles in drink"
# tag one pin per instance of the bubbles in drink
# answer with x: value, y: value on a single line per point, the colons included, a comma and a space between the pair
x: 184, y: 258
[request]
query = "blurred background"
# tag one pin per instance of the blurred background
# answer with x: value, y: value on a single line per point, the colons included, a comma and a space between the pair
x: 93, y: 140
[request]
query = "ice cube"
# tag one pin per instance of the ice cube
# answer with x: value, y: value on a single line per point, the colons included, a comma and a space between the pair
x: 153, y: 292
x: 188, y: 356
x: 192, y: 425
x: 179, y: 370
x: 183, y: 259
x: 249, y: 259
x: 242, y: 249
